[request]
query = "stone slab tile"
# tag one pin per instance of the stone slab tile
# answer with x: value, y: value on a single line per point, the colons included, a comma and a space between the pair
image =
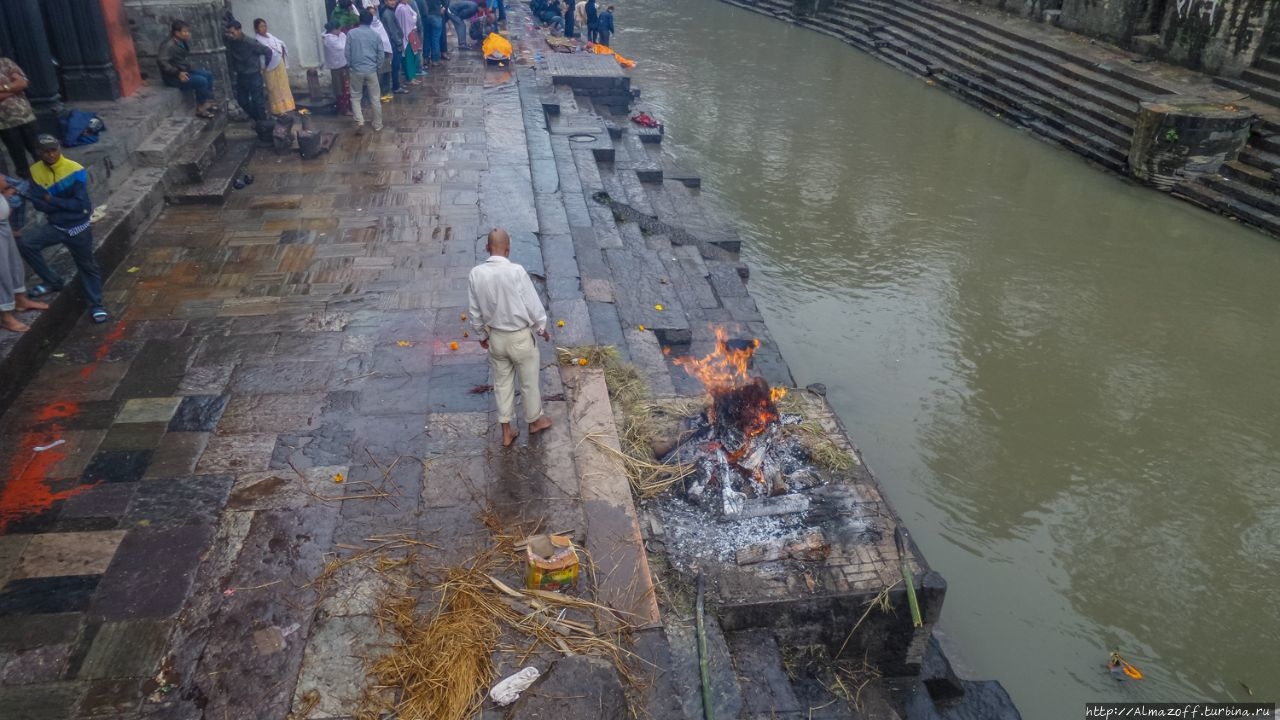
x: 71, y: 553
x: 334, y: 664
x: 47, y: 663
x: 176, y: 455
x: 45, y: 701
x: 171, y: 503
x: 131, y: 648
x: 151, y: 573
x: 198, y: 413
x: 47, y: 595
x: 613, y: 531
x: 237, y: 453
x: 577, y: 329
x: 148, y: 410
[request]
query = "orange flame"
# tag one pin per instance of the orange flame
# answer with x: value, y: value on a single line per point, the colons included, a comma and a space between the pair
x: 724, y: 368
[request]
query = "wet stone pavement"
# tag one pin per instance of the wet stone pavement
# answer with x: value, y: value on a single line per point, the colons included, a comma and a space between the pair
x: 263, y: 350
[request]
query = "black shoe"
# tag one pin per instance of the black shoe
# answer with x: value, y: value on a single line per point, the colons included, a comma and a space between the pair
x: 42, y: 289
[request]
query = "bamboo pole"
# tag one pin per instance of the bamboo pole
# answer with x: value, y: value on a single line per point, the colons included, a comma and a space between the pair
x: 703, y: 665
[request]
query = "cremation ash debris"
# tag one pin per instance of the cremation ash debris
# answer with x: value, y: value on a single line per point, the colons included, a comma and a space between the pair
x: 692, y: 535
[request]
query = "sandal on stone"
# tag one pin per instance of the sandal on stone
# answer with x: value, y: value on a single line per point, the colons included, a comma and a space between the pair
x: 99, y: 315
x: 41, y: 290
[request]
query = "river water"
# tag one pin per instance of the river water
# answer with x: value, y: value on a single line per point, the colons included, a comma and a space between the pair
x: 1068, y: 385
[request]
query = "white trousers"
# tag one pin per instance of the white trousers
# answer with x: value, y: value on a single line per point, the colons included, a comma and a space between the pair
x: 360, y: 81
x: 515, y: 354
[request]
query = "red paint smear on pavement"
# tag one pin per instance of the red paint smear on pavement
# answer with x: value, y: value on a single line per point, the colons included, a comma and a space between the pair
x: 25, y: 492
x: 104, y: 349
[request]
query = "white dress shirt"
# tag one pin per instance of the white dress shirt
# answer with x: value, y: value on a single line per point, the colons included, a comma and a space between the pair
x: 502, y: 297
x: 335, y: 51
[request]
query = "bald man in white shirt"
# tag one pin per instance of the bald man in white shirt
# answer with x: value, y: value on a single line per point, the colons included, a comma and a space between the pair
x: 506, y: 313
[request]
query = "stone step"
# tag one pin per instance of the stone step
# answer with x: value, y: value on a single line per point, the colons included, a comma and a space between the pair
x: 1257, y: 177
x: 1262, y: 159
x: 1230, y: 205
x: 1268, y: 63
x: 1083, y: 113
x: 1098, y: 94
x: 1264, y: 78
x: 1256, y: 92
x: 165, y: 142
x: 198, y: 153
x: 1124, y: 84
x: 218, y: 178
x: 1243, y: 192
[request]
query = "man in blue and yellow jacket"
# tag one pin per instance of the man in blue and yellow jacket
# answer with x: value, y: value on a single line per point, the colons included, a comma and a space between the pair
x: 61, y: 192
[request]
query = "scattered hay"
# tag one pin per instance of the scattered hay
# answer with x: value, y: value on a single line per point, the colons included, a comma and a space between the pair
x: 642, y: 420
x: 822, y: 449
x: 441, y: 667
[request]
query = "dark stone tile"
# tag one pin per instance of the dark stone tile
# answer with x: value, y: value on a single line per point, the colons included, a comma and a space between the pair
x: 401, y: 395
x: 158, y: 369
x: 176, y: 455
x: 234, y: 349
x: 39, y: 521
x: 151, y: 573
x: 47, y: 595
x: 94, y: 415
x: 450, y: 388
x: 169, y: 503
x: 89, y: 524
x: 326, y: 445
x: 311, y: 346
x: 606, y: 326
x: 80, y: 648
x: 114, y: 466
x: 198, y: 413
x: 158, y: 329
x: 410, y: 325
x: 133, y: 436
x: 46, y: 701
x: 131, y: 648
x: 388, y: 437
x: 47, y: 663
x: 280, y: 377
x: 23, y: 632
x: 390, y: 360
x: 112, y: 698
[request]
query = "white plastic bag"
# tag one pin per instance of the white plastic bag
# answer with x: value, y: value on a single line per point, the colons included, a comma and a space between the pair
x: 508, y: 690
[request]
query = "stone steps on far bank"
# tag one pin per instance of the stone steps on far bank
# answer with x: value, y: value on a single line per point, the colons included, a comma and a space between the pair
x: 1089, y: 99
x: 999, y: 89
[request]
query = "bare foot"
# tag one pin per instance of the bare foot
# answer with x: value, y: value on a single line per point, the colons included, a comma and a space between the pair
x: 13, y: 324
x: 22, y: 303
x: 539, y: 425
x: 509, y: 437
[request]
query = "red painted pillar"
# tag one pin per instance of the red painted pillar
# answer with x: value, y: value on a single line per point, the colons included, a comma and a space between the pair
x: 120, y: 40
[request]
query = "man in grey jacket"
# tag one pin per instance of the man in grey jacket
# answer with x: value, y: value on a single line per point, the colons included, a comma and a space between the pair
x: 364, y: 55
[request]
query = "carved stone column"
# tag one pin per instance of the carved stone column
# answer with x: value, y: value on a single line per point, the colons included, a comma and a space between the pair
x: 81, y: 45
x: 22, y: 39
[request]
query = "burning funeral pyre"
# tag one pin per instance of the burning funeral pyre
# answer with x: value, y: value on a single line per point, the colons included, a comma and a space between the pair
x: 745, y: 464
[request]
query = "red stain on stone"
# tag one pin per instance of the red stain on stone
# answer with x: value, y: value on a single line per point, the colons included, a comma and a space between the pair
x: 25, y: 491
x: 104, y: 348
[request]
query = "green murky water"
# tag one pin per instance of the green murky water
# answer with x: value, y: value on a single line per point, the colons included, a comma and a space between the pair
x: 1069, y: 385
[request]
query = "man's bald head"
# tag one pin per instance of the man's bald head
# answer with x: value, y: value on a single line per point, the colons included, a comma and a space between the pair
x: 499, y: 242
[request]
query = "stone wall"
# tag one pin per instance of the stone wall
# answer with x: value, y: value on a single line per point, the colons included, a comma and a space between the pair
x: 1220, y: 37
x: 1223, y: 37
x: 150, y: 20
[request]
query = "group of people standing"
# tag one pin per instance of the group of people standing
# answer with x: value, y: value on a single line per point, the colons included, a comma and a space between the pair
x: 259, y: 63
x: 56, y: 186
x: 375, y: 49
x: 568, y: 19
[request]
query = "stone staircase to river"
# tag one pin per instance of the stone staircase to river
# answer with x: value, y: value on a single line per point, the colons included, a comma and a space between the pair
x: 1064, y: 97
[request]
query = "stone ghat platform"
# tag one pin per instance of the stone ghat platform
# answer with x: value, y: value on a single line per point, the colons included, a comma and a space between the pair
x: 809, y: 574
x: 656, y: 273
